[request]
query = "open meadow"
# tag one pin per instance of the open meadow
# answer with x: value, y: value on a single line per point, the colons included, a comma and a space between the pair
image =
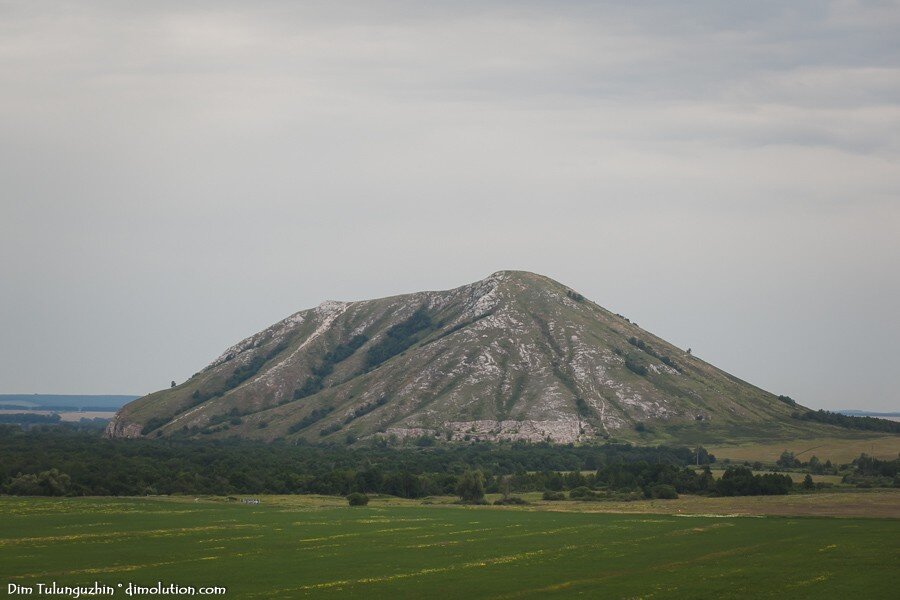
x: 838, y: 449
x: 305, y: 546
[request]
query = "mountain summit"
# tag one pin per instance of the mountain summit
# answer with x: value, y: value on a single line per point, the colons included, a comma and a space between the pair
x: 513, y: 356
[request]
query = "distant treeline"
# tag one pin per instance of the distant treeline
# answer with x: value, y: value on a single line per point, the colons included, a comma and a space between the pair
x: 61, y: 460
x: 59, y: 408
x: 65, y: 402
x: 864, y: 423
x: 28, y: 418
x: 652, y: 480
x: 91, y: 465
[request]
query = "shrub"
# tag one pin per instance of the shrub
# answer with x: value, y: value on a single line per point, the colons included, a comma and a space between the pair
x: 665, y: 359
x: 317, y: 414
x: 582, y: 493
x: 582, y: 407
x: 663, y: 491
x: 365, y: 409
x: 357, y: 499
x: 515, y: 500
x: 554, y: 496
x: 635, y: 367
x: 329, y: 429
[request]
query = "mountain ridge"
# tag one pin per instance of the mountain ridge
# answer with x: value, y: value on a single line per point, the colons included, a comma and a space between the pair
x: 514, y: 356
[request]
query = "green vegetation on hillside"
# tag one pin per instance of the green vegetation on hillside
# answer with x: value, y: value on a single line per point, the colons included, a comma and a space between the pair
x: 239, y: 375
x: 399, y: 337
x: 340, y: 353
x: 647, y: 348
x: 487, y: 351
x: 316, y: 415
x: 244, y: 372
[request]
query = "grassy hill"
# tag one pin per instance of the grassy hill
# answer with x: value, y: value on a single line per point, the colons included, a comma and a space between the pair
x: 514, y: 356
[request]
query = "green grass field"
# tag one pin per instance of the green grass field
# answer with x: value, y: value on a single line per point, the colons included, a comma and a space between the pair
x: 308, y: 547
x: 837, y: 449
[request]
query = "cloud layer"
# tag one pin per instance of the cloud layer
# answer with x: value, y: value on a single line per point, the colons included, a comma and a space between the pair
x: 179, y: 175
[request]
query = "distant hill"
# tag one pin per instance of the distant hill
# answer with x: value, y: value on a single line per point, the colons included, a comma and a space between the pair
x: 515, y: 356
x: 64, y: 402
x: 866, y: 413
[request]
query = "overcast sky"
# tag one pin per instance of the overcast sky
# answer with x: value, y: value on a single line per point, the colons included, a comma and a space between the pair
x: 175, y: 176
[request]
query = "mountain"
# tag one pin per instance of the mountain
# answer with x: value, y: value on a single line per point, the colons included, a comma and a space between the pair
x: 514, y: 356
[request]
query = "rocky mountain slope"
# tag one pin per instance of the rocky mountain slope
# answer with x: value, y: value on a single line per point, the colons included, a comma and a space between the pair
x: 514, y: 356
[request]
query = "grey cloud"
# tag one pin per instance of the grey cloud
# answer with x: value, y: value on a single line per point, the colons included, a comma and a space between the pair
x: 179, y: 175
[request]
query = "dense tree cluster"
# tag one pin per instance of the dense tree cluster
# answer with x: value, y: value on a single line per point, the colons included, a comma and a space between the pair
x: 99, y: 466
x: 870, y: 472
x: 740, y: 481
x: 317, y: 414
x: 636, y: 479
x: 45, y: 483
x: 864, y: 423
x: 357, y: 499
x: 787, y: 460
x: 64, y: 460
x: 470, y: 487
x: 399, y: 337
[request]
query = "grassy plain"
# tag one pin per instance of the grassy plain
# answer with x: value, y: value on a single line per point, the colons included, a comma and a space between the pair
x: 840, y: 450
x: 304, y: 546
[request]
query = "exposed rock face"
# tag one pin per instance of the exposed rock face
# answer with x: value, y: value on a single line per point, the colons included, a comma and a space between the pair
x: 560, y: 431
x: 514, y: 356
x: 119, y: 428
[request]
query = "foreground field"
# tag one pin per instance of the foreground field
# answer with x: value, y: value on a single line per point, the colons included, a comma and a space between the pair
x: 289, y: 547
